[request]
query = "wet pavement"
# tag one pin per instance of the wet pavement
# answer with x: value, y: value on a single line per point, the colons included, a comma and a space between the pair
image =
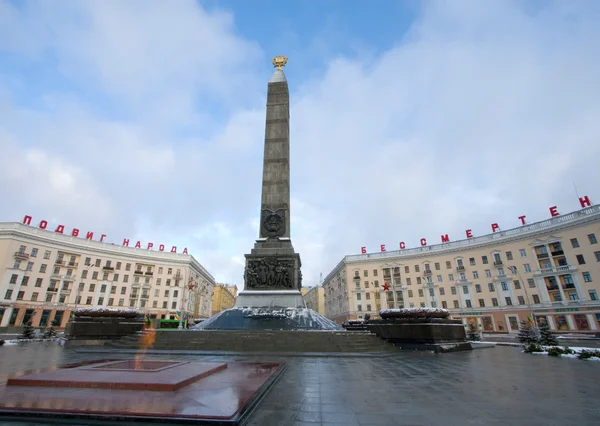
x: 494, y: 386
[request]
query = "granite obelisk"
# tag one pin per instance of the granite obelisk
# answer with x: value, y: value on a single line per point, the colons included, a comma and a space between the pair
x: 272, y: 277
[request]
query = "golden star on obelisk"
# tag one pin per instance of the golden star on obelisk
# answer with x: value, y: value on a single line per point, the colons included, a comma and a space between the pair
x: 279, y: 61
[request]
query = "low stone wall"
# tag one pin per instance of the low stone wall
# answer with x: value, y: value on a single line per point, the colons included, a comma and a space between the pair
x: 102, y: 328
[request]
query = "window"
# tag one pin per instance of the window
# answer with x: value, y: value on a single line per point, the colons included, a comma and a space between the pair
x: 574, y: 243
x: 164, y: 305
x: 451, y: 277
x: 597, y: 254
x: 439, y: 278
x: 468, y: 303
x: 406, y: 269
x: 47, y: 254
x: 448, y: 264
x: 160, y: 270
x: 113, y: 289
x: 49, y: 297
x: 536, y: 299
x: 118, y: 266
x: 25, y: 280
x: 365, y: 273
x: 128, y: 266
x: 410, y: 293
x: 488, y: 273
x: 147, y: 280
x: 368, y: 308
x: 456, y: 306
x: 29, y: 266
x: 359, y: 307
x: 84, y: 274
x: 101, y: 300
x: 453, y: 290
x: 88, y: 261
x: 592, y: 238
x: 484, y: 259
x: 531, y: 282
x: 508, y: 301
x: 89, y: 300
x: 478, y: 288
x: 422, y: 304
x: 8, y: 294
x: 444, y: 304
x: 593, y: 295
x: 580, y: 259
x: 115, y: 277
x: 92, y: 287
x: 374, y: 272
x: 136, y: 279
x: 572, y: 296
x: 472, y: 261
x: 475, y: 274
x: 437, y: 266
x: 521, y: 300
x: 43, y: 267
x: 98, y: 262
x: 13, y: 278
x: 175, y: 293
x: 103, y: 288
x: 34, y: 252
x: 123, y: 290
x: 17, y: 264
x: 494, y: 301
x: 517, y: 284
x: 587, y: 277
x: 169, y: 271
x: 167, y: 294
x: 95, y: 275
x: 417, y: 269
x: 105, y: 276
x: 125, y: 278
x: 368, y: 296
x: 459, y: 263
x: 168, y: 281
x: 111, y: 301
x: 465, y: 289
x: 420, y: 292
x: 418, y: 280
x: 38, y: 282
x: 408, y: 281
x: 509, y: 255
x: 463, y: 276
x: 376, y: 284
x: 481, y: 303
x: 527, y: 267
x: 523, y: 253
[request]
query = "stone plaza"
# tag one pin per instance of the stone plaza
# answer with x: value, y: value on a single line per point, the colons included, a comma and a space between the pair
x: 489, y: 386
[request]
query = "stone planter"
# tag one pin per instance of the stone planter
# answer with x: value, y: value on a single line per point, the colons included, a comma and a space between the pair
x: 102, y: 328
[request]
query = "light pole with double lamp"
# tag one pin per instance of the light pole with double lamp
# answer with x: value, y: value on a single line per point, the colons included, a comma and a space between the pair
x: 513, y: 269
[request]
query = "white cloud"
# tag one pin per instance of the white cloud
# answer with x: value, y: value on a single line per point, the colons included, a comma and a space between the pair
x: 152, y: 127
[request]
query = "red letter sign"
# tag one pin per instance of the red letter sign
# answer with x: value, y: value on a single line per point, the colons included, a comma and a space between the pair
x: 102, y: 237
x: 174, y: 249
x: 27, y: 220
x: 75, y: 232
x: 585, y: 201
x: 60, y: 229
x: 522, y: 219
x: 445, y: 238
x: 363, y: 250
x: 138, y: 245
x: 43, y: 224
x: 89, y: 236
x: 402, y: 245
x: 185, y: 251
x: 554, y: 211
x: 469, y: 233
x: 150, y: 245
x: 423, y: 242
x: 161, y: 247
x: 495, y: 227
x: 382, y: 247
x: 126, y: 242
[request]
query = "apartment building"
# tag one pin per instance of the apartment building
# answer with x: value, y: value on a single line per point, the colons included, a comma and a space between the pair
x: 549, y: 270
x: 315, y: 299
x: 223, y: 298
x: 45, y: 275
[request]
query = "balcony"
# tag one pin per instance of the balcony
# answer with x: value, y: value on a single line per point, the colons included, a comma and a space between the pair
x: 568, y: 285
x: 139, y: 272
x: 69, y: 278
x: 148, y: 273
x: 552, y: 287
x: 59, y: 262
x: 52, y: 289
x: 108, y: 268
x: 558, y: 253
x: 460, y: 268
x: 498, y: 263
x: 21, y: 255
x: 56, y: 277
x: 65, y: 291
x: 542, y: 255
x: 72, y: 264
x: 427, y: 273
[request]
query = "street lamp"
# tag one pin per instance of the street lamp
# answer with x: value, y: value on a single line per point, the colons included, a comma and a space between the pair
x: 390, y: 267
x: 515, y: 271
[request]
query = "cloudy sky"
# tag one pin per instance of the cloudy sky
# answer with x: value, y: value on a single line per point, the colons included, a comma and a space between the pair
x: 145, y: 119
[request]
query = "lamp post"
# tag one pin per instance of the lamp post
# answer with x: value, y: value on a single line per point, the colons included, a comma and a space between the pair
x: 390, y: 267
x: 515, y: 271
x: 79, y: 290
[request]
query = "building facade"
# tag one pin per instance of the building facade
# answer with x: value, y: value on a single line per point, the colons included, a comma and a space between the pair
x: 223, y: 298
x: 549, y: 270
x: 315, y: 299
x: 45, y: 275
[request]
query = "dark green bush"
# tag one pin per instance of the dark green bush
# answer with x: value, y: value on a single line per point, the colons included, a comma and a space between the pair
x: 558, y: 351
x: 588, y: 354
x: 533, y: 347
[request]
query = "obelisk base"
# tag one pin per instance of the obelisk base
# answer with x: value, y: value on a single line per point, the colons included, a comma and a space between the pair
x: 272, y: 277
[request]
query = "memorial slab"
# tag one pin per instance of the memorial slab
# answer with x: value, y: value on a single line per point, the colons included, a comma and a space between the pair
x: 133, y: 390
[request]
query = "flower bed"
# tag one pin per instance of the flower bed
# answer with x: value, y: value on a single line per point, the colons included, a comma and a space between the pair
x: 591, y: 354
x: 414, y: 313
x: 100, y: 312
